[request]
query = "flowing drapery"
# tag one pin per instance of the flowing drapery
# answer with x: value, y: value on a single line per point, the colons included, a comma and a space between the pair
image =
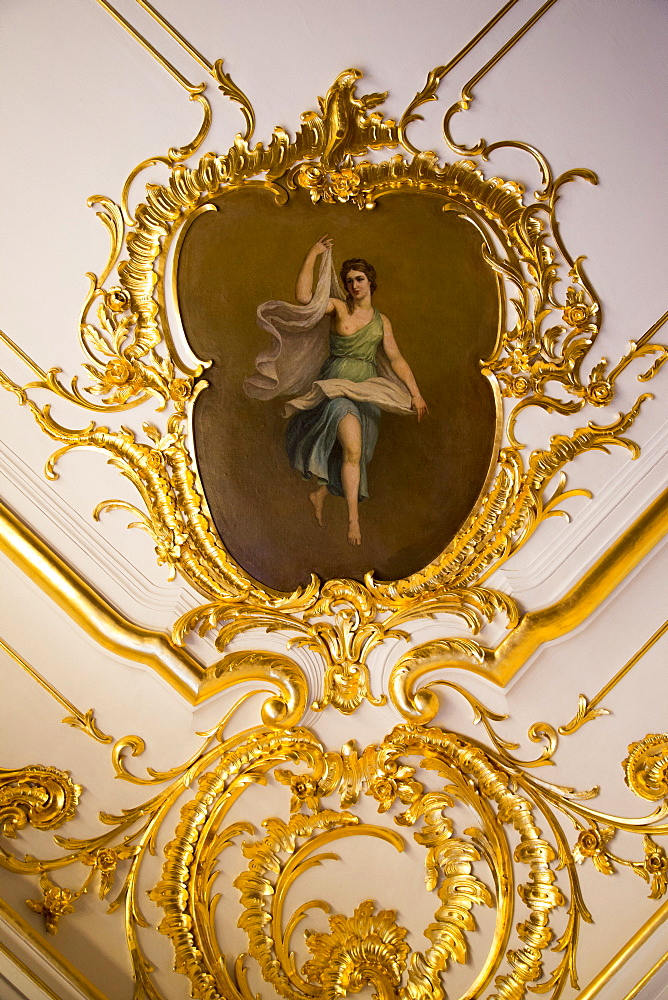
x: 299, y: 346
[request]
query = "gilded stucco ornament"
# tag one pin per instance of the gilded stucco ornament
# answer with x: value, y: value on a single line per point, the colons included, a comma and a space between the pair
x: 513, y: 855
x: 366, y: 948
x: 540, y: 359
x: 490, y: 835
x: 55, y: 903
x: 646, y: 767
x: 39, y: 796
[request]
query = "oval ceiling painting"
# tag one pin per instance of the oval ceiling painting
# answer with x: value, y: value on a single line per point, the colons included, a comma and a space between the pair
x: 347, y: 426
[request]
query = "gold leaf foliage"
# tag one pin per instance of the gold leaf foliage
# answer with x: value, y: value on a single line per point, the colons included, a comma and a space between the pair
x: 366, y: 948
x: 419, y: 780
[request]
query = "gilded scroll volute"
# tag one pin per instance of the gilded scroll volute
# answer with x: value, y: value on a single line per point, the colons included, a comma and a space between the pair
x: 646, y: 767
x: 36, y: 795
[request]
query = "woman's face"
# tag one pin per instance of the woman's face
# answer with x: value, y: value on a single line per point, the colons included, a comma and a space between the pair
x: 357, y: 285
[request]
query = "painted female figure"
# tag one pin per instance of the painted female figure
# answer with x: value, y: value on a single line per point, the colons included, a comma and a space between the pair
x: 351, y: 372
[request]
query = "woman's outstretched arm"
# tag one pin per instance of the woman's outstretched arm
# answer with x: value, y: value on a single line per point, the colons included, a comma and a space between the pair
x: 304, y: 287
x: 401, y: 367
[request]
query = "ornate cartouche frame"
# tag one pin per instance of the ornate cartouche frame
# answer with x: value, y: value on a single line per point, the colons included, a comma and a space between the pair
x: 538, y: 361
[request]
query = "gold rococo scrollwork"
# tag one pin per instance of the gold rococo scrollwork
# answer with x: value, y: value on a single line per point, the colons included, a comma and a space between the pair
x: 512, y: 855
x: 35, y: 795
x: 539, y: 360
x: 646, y: 767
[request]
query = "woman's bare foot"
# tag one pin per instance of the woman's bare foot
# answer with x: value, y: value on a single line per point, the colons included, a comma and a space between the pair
x: 317, y: 498
x: 354, y: 533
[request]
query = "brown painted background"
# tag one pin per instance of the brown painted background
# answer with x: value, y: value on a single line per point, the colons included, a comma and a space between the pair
x: 424, y: 479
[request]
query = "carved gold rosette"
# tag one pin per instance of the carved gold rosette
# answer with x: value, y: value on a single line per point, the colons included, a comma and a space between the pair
x: 539, y: 361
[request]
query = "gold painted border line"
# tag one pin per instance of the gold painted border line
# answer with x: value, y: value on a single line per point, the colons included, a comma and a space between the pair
x: 34, y: 367
x: 654, y: 328
x: 624, y: 954
x: 577, y: 721
x: 467, y: 96
x: 505, y: 49
x: 49, y: 953
x: 93, y: 613
x: 176, y: 35
x: 138, y: 37
x: 470, y: 45
x: 85, y: 722
x: 205, y: 64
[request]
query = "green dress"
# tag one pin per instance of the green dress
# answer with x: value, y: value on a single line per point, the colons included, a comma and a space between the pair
x: 311, y: 441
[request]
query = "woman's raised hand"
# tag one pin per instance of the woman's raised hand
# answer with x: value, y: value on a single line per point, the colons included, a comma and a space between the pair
x: 304, y: 286
x: 324, y: 243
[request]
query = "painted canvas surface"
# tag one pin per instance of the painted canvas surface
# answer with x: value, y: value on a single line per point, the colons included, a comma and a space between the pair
x: 424, y: 475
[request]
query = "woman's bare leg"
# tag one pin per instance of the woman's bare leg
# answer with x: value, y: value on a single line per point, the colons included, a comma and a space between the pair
x: 317, y: 498
x: 349, y: 433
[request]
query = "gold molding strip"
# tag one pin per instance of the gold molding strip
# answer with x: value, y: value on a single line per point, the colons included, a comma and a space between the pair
x: 654, y: 328
x: 28, y: 973
x: 197, y: 684
x: 476, y: 38
x: 625, y: 952
x: 646, y: 978
x: 466, y: 96
x: 93, y: 613
x: 587, y: 709
x: 437, y: 75
x: 441, y: 72
x: 505, y: 49
x: 49, y: 953
x: 560, y: 618
x: 138, y: 37
x: 79, y: 720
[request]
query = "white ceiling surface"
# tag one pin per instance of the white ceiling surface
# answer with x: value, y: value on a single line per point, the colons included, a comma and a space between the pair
x: 81, y: 103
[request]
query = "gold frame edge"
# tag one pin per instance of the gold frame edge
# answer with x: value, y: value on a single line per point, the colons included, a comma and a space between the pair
x: 625, y: 952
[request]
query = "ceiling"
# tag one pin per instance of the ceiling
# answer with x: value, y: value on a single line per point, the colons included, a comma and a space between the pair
x: 88, y: 609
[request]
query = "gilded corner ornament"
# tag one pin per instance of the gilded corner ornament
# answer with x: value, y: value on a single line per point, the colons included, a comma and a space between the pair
x: 540, y: 359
